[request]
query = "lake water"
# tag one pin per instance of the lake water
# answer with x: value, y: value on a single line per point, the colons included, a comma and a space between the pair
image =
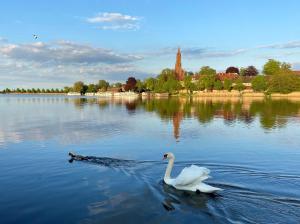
x: 252, y: 148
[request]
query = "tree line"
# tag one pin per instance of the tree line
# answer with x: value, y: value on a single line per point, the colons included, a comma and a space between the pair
x: 33, y: 90
x: 276, y: 76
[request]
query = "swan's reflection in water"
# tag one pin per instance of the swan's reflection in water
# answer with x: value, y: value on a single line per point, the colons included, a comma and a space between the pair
x: 174, y: 198
x: 169, y: 197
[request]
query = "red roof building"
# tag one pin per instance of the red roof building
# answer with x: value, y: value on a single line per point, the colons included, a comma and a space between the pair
x: 222, y: 76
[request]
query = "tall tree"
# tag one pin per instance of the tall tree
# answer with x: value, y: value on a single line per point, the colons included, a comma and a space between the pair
x: 103, y: 85
x: 150, y: 83
x: 91, y: 88
x: 272, y: 67
x: 259, y: 83
x: 250, y: 71
x: 130, y: 84
x: 140, y: 86
x: 188, y: 84
x: 206, y: 70
x: 78, y: 87
x: 232, y: 69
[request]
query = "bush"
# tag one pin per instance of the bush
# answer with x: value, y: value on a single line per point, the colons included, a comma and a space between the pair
x: 201, y: 85
x: 218, y: 85
x: 239, y: 85
x: 259, y: 83
x: 228, y: 84
x: 284, y: 83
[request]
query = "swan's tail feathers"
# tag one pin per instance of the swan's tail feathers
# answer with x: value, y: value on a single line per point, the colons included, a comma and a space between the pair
x: 205, y: 188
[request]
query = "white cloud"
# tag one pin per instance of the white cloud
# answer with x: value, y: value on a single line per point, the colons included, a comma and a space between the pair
x: 112, y: 17
x: 115, y: 21
x: 64, y: 52
x: 198, y: 52
x: 62, y: 62
x: 288, y: 45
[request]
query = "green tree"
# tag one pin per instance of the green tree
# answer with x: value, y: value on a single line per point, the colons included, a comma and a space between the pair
x: 118, y: 85
x: 150, y: 83
x: 91, y: 88
x: 200, y: 85
x: 67, y: 89
x: 78, y: 87
x: 228, y: 84
x: 166, y: 74
x: 206, y: 70
x: 140, y: 86
x: 218, y: 85
x: 171, y: 86
x: 284, y: 83
x: 7, y: 90
x: 239, y: 85
x: 273, y: 67
x: 103, y: 85
x: 259, y: 83
x: 209, y: 81
x: 188, y: 84
x: 242, y: 71
x: 207, y: 77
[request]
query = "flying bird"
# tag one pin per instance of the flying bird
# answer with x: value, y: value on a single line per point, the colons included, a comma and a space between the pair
x: 35, y: 36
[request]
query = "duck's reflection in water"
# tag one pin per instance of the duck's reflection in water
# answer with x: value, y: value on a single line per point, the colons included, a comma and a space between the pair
x: 102, y: 161
x: 175, y: 198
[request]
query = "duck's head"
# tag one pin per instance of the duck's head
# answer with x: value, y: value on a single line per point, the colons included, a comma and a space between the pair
x: 169, y: 155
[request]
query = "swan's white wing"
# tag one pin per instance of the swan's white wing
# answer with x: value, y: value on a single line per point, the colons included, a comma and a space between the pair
x: 191, y: 175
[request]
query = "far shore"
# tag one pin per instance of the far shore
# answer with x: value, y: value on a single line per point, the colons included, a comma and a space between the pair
x: 198, y: 94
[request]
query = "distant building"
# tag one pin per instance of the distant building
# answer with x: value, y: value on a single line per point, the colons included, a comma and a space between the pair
x: 222, y: 76
x: 179, y: 72
x: 219, y: 76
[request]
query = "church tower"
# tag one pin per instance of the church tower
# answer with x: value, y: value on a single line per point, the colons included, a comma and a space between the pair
x: 179, y: 73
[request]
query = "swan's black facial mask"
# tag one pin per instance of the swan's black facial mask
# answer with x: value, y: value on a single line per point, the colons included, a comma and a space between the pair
x: 165, y: 156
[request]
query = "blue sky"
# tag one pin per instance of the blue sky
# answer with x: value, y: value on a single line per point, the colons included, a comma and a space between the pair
x: 109, y: 39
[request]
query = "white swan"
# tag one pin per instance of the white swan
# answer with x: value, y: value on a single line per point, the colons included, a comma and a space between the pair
x: 190, y: 178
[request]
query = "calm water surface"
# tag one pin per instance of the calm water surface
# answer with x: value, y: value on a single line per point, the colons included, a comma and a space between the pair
x: 252, y: 148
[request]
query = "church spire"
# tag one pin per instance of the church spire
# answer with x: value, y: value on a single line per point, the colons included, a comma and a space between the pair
x: 179, y: 73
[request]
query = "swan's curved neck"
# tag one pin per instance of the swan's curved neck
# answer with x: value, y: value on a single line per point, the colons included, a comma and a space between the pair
x: 169, y: 169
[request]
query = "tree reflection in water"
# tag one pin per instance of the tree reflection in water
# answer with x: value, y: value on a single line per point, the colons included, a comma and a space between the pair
x: 271, y: 113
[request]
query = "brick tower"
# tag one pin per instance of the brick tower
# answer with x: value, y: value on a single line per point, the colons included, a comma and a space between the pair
x: 179, y: 73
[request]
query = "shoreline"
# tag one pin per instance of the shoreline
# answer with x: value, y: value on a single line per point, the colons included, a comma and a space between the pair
x: 214, y: 94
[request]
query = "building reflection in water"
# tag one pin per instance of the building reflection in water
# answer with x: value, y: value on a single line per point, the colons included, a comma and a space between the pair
x: 270, y: 113
x: 69, y: 125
